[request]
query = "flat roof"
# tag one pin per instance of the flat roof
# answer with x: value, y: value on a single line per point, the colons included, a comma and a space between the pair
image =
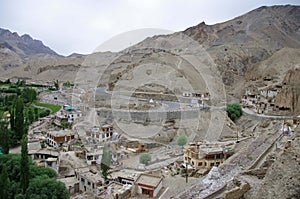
x: 44, y: 152
x: 51, y: 159
x: 61, y: 133
x: 100, y: 152
x: 34, y: 145
x: 149, y: 180
x: 89, y: 175
x: 106, y: 126
x: 69, y: 182
x: 126, y: 173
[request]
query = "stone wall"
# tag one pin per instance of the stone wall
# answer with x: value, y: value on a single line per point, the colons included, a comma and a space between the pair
x: 237, y: 192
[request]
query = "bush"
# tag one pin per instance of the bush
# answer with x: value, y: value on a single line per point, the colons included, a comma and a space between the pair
x: 44, y: 113
x: 182, y: 140
x: 42, y: 182
x: 145, y: 158
x: 234, y: 111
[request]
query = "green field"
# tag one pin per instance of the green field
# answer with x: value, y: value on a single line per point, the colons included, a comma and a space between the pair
x: 54, y: 108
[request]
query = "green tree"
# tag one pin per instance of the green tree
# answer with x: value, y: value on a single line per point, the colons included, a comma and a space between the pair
x: 19, y: 118
x: 145, y: 158
x: 12, y: 118
x: 29, y: 95
x: 234, y: 111
x: 65, y: 124
x: 24, y: 170
x: 4, y: 137
x: 182, y: 140
x: 56, y: 85
x: 36, y: 114
x: 44, y: 113
x: 105, y: 162
x: 46, y: 188
x: 36, y: 171
x: 4, y: 183
x: 12, y: 162
x: 30, y: 116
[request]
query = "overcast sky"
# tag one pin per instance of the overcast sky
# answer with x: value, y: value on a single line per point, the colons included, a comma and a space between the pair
x: 69, y: 26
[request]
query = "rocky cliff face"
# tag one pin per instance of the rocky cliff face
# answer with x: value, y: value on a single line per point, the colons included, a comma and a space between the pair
x: 289, y: 97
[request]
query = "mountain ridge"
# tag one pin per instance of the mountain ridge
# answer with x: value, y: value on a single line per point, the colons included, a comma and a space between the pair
x: 24, y: 45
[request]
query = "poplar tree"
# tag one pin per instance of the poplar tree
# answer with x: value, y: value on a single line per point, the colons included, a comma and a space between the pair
x: 24, y: 170
x: 4, y: 183
x: 105, y: 162
x: 19, y: 118
x: 4, y: 137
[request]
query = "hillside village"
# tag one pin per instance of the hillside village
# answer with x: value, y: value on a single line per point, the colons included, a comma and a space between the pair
x: 75, y: 153
x: 126, y: 135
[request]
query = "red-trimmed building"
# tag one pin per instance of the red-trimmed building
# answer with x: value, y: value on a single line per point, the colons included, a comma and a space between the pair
x: 149, y: 185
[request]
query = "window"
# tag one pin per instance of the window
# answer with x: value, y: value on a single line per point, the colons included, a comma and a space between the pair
x: 199, y: 164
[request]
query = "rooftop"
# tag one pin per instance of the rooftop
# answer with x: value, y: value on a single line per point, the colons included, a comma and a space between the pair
x: 69, y: 182
x: 210, y: 148
x: 61, y: 133
x: 107, y: 126
x: 126, y: 173
x: 93, y: 176
x: 150, y: 180
x: 51, y: 159
x: 34, y: 145
x: 44, y: 151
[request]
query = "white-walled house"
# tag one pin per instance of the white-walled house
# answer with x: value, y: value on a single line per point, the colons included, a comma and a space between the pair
x: 89, y: 180
x: 94, y: 157
x: 102, y: 134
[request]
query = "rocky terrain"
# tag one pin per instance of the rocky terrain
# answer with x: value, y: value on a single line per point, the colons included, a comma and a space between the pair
x: 222, y: 60
x: 24, y: 45
x: 289, y: 97
x: 27, y: 58
x: 245, y: 48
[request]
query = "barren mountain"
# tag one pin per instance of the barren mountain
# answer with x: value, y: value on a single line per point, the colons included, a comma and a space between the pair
x: 262, y: 42
x: 241, y: 43
x: 23, y: 45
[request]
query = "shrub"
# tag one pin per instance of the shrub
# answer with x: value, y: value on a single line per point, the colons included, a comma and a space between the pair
x: 234, y: 111
x: 145, y: 158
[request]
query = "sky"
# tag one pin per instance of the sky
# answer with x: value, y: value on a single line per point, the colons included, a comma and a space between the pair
x: 69, y: 26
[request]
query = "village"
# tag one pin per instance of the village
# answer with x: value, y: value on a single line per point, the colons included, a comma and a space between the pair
x: 75, y: 154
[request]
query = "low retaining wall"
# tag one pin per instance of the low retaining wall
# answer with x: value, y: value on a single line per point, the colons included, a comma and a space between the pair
x: 237, y: 192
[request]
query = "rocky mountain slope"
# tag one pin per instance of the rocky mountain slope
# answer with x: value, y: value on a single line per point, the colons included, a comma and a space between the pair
x: 25, y: 57
x: 24, y: 45
x: 238, y: 45
x: 261, y: 42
